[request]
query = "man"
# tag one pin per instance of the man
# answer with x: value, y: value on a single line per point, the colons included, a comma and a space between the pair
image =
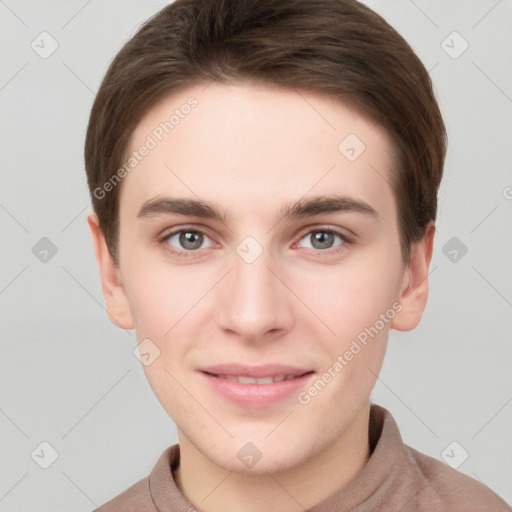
x: 264, y: 180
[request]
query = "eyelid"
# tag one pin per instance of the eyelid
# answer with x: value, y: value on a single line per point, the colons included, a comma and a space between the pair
x: 168, y: 233
x: 344, y: 233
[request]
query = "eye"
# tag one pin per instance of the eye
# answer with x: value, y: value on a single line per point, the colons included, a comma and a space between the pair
x: 322, y: 239
x: 187, y: 240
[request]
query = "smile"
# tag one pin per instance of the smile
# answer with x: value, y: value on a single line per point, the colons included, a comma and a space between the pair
x: 241, y: 379
x: 257, y: 392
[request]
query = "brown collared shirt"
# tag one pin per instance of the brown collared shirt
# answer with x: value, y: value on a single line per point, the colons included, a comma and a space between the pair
x: 396, y: 478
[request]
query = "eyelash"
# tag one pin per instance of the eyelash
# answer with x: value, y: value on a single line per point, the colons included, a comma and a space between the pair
x: 187, y: 254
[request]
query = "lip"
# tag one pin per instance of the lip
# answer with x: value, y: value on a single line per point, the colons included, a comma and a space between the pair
x: 256, y: 396
x: 267, y: 370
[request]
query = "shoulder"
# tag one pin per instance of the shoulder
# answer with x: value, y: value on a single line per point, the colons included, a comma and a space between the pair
x: 148, y: 494
x: 135, y: 499
x: 414, y: 482
x: 451, y: 489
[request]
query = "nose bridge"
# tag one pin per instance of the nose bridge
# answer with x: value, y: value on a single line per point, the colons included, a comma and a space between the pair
x: 253, y: 302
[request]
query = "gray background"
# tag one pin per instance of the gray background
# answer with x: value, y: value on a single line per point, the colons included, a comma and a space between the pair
x: 69, y: 377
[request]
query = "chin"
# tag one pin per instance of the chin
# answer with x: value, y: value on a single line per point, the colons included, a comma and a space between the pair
x: 254, y: 459
x: 261, y: 467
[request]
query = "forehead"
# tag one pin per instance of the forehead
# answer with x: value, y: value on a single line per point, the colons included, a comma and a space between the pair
x: 235, y: 144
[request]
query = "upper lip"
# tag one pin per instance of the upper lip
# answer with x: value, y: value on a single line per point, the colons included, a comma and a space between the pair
x: 267, y: 370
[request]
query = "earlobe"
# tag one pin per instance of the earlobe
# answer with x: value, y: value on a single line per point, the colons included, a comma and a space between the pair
x: 414, y: 291
x: 118, y: 309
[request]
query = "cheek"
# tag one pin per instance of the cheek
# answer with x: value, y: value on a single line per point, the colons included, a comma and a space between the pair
x: 161, y: 295
x: 168, y: 386
x: 352, y: 297
x: 357, y: 306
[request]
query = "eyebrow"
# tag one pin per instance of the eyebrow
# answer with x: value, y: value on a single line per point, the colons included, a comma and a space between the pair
x: 298, y: 209
x: 190, y: 207
x: 325, y: 204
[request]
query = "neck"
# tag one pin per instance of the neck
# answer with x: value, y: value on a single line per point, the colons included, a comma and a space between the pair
x: 212, y: 488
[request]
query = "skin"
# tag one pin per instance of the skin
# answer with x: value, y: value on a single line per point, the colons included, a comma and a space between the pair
x: 250, y: 149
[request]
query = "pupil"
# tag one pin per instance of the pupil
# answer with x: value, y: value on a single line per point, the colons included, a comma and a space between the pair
x: 191, y: 240
x: 322, y: 240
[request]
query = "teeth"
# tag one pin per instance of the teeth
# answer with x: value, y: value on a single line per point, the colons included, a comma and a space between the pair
x: 250, y: 380
x: 241, y: 379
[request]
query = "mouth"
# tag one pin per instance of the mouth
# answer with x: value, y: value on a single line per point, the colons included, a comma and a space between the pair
x: 246, y: 379
x: 256, y: 387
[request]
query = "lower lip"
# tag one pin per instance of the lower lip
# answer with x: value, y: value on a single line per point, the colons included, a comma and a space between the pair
x: 256, y: 395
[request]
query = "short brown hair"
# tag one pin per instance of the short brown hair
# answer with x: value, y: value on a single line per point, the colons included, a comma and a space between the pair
x: 338, y: 47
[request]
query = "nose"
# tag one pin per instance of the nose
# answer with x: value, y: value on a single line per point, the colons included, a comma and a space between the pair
x: 253, y: 302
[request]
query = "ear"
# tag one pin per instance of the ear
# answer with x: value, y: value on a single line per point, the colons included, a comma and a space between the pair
x: 118, y: 309
x: 414, y: 290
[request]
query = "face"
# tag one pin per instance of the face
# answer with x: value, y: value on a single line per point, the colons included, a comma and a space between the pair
x: 257, y: 240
